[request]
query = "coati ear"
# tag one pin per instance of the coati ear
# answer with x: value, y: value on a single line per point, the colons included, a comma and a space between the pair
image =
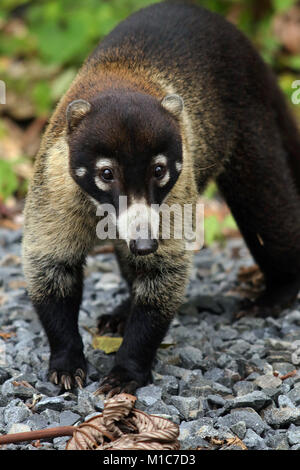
x: 173, y: 103
x: 76, y: 110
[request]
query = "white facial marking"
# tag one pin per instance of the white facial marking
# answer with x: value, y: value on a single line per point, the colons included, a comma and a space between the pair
x: 101, y: 164
x: 164, y: 180
x: 178, y: 166
x: 80, y: 171
x: 139, y: 220
x: 160, y: 160
x: 101, y: 184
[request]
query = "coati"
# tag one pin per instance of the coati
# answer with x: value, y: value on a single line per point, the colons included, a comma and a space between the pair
x: 173, y: 97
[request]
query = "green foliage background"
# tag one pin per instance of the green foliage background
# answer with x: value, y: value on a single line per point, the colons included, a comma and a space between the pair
x: 59, y: 35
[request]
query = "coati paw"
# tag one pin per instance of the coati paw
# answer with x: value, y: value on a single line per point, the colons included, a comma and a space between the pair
x: 114, y: 322
x: 120, y: 380
x: 250, y: 308
x: 68, y: 373
x: 111, y: 323
x: 269, y: 304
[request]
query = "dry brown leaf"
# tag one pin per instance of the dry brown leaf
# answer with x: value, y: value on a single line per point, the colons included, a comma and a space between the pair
x: 236, y: 441
x: 121, y: 427
x: 8, y: 335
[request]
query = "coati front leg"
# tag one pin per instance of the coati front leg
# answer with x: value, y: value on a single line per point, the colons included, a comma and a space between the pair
x: 59, y: 230
x: 261, y: 191
x: 157, y: 292
x: 58, y: 309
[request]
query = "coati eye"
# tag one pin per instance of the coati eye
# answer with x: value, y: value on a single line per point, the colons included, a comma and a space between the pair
x: 107, y: 174
x: 159, y: 171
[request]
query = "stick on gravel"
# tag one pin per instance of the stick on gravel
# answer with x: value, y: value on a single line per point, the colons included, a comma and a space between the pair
x: 119, y: 427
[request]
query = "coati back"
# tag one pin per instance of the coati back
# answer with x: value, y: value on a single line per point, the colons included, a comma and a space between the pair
x: 172, y: 97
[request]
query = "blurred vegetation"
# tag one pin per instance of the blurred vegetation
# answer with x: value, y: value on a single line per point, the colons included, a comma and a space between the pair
x: 44, y: 42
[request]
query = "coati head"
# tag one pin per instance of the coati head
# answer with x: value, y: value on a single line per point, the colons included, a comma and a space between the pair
x: 127, y: 144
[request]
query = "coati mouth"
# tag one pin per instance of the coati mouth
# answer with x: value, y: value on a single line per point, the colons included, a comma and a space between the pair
x: 143, y: 246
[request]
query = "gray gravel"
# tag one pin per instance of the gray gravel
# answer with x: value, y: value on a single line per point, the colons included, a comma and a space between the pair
x: 215, y: 379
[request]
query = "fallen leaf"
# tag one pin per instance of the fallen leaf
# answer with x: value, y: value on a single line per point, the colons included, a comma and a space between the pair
x: 5, y: 335
x: 108, y: 344
x: 235, y: 441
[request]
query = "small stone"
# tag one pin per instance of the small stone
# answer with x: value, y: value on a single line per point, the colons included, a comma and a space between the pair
x: 239, y: 429
x: 37, y: 421
x: 227, y: 333
x: 277, y: 441
x: 148, y: 395
x: 16, y: 414
x: 60, y: 442
x: 284, y: 401
x: 185, y: 405
x: 50, y: 416
x: 254, y: 441
x: 215, y: 374
x: 168, y: 384
x: 243, y: 388
x: 52, y: 403
x: 216, y: 400
x: 85, y: 405
x: 18, y: 427
x: 46, y: 388
x: 160, y: 407
x: 190, y: 357
x: 256, y: 400
x: 4, y: 375
x: 283, y: 367
x: 294, y: 396
x: 268, y: 381
x: 248, y: 415
x: 293, y: 435
x: 11, y: 390
x: 68, y: 418
x: 221, y: 389
x: 208, y: 431
x: 188, y: 438
x: 279, y: 418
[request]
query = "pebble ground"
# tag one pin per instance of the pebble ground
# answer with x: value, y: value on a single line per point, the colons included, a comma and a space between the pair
x: 219, y: 378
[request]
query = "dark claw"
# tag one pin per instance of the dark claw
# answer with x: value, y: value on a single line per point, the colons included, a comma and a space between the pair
x: 68, y: 380
x: 117, y: 382
x: 54, y: 378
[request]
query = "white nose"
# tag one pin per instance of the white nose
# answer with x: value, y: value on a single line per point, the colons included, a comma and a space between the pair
x: 139, y: 222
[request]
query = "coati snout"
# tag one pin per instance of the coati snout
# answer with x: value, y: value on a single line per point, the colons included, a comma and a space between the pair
x: 127, y: 145
x: 143, y: 246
